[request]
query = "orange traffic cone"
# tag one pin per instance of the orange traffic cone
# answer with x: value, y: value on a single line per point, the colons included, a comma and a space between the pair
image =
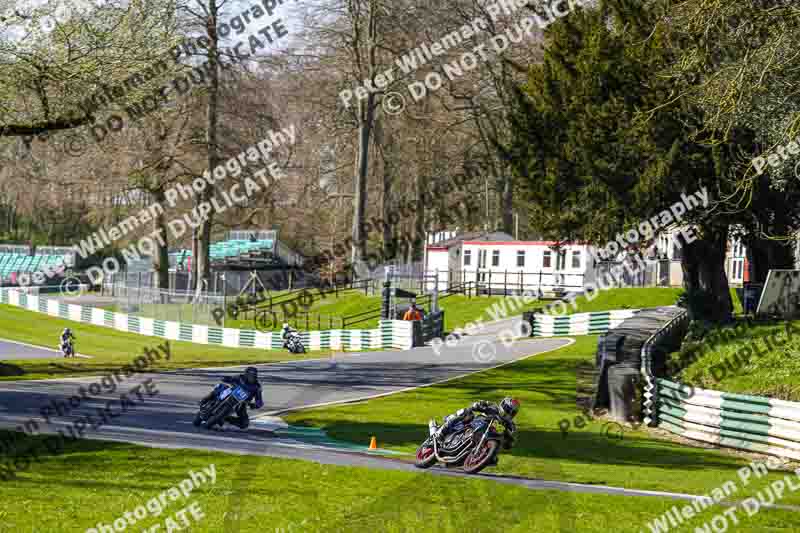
x: 373, y: 443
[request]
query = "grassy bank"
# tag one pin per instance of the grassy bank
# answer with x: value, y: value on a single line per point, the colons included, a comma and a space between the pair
x: 626, y: 298
x: 458, y: 310
x: 110, y: 349
x: 760, y: 359
x: 546, y: 385
x: 99, y: 482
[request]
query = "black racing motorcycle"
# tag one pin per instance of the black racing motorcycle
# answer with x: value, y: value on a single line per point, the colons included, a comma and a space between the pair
x: 226, y: 401
x: 472, y: 446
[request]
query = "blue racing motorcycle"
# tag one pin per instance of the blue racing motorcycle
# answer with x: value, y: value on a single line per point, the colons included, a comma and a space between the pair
x: 226, y: 400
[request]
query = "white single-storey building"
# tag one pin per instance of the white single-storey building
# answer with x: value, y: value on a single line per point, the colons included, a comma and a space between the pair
x: 496, y: 262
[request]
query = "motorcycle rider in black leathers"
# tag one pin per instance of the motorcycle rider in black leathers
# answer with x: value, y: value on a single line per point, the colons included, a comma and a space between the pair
x: 249, y: 381
x: 506, y: 410
x: 66, y: 337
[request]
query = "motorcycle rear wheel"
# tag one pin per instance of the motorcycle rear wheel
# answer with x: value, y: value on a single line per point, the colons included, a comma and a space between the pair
x: 425, y: 456
x: 479, y: 459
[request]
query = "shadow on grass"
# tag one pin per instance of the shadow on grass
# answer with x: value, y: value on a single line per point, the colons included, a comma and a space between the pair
x: 22, y: 451
x: 578, y: 446
x: 11, y: 370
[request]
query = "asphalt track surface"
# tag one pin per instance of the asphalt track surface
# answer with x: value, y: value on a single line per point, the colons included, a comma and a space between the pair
x: 165, y: 419
x: 18, y: 350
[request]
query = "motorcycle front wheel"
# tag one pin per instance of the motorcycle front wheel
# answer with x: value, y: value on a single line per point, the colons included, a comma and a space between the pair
x: 425, y: 456
x: 478, y: 459
x: 217, y: 418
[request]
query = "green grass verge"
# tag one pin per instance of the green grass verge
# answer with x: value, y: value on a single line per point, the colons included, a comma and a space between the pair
x: 738, y: 308
x: 546, y: 386
x: 94, y: 482
x: 459, y: 310
x: 717, y: 360
x: 110, y: 349
x: 626, y: 298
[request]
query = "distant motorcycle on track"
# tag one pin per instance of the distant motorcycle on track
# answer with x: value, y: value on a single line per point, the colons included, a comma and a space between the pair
x: 472, y: 446
x: 225, y: 401
x: 292, y: 340
x: 67, y: 349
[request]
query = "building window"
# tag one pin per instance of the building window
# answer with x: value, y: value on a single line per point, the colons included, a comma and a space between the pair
x: 546, y: 259
x: 481, y: 258
x: 495, y: 258
x: 576, y: 259
x: 520, y: 258
x: 467, y: 257
x: 738, y: 248
x: 562, y: 260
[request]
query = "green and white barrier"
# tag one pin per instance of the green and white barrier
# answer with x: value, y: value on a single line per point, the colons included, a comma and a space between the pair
x: 740, y: 421
x: 389, y: 334
x: 580, y: 324
x: 752, y: 423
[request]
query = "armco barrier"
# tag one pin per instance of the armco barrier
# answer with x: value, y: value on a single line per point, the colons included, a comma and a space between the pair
x: 389, y: 334
x: 579, y: 324
x: 751, y: 423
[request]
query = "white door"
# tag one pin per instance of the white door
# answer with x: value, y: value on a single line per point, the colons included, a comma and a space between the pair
x: 481, y: 266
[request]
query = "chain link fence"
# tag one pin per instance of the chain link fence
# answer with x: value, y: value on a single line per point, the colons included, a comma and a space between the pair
x: 135, y: 293
x: 177, y: 306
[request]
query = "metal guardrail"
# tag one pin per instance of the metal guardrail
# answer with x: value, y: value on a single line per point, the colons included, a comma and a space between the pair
x: 423, y: 301
x: 429, y: 328
x: 649, y: 407
x: 751, y: 423
x: 740, y: 421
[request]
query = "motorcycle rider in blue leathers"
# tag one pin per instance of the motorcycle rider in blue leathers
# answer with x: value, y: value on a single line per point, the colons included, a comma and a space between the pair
x: 249, y: 382
x: 67, y: 337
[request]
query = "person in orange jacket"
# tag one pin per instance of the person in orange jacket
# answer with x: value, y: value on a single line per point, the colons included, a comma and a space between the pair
x: 413, y: 313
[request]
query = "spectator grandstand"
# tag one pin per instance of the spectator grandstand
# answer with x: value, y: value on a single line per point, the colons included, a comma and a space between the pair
x: 244, y: 249
x: 15, y: 260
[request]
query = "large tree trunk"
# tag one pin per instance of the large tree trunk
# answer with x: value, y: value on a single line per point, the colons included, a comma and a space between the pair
x: 203, y: 260
x: 703, y: 264
x: 386, y: 199
x: 764, y: 254
x: 162, y: 251
x: 367, y: 115
x: 507, y: 202
x: 366, y: 119
x: 386, y: 212
x: 420, y: 185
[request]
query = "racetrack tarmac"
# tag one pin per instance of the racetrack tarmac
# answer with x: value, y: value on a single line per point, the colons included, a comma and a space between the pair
x: 18, y: 350
x: 165, y: 419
